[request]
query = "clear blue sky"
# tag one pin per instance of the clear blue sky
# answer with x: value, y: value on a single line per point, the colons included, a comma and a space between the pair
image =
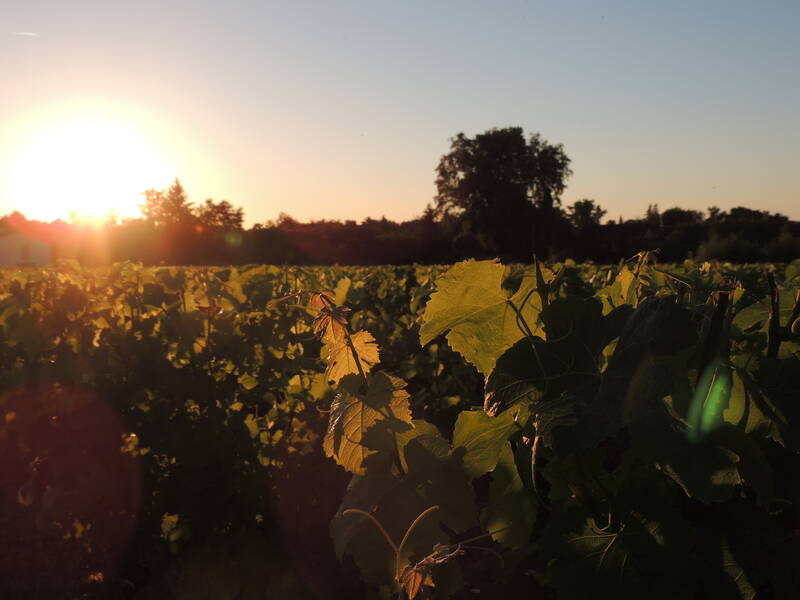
x: 342, y: 109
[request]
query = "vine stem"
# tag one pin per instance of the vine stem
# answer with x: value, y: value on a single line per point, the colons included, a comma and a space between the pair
x: 534, y: 447
x: 527, y: 331
x: 524, y: 324
x: 398, y: 550
x: 410, y: 529
x: 483, y: 535
x: 774, y: 327
x: 644, y: 257
x: 375, y: 521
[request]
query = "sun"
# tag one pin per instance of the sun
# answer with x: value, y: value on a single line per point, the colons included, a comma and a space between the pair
x: 84, y: 166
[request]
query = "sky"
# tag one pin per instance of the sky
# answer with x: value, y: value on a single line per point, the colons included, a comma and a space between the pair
x: 342, y: 110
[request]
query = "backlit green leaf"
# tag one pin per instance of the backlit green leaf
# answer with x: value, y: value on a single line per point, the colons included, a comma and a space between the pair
x: 484, y: 438
x: 472, y: 309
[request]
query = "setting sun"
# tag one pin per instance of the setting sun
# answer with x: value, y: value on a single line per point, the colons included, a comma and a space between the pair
x: 84, y: 166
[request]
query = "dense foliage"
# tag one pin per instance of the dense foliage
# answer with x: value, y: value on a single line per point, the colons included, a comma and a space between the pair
x: 563, y: 430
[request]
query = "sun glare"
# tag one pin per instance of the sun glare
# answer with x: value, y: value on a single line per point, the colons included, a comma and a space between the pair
x: 84, y: 167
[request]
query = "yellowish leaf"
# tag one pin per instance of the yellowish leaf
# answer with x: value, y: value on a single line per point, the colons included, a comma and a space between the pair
x: 340, y: 359
x: 352, y: 414
x: 413, y: 578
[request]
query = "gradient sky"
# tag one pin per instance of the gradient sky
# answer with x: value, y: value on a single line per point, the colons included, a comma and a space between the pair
x: 342, y: 109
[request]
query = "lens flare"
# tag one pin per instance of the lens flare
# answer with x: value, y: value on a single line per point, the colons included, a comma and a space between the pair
x: 709, y: 401
x: 76, y: 484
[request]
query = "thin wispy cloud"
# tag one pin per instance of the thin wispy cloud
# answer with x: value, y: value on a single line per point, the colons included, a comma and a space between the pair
x: 25, y: 33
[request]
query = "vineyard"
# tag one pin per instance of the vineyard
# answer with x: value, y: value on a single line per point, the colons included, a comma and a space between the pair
x: 562, y: 431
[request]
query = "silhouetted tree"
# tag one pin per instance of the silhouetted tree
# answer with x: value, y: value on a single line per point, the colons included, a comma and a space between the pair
x: 740, y: 213
x: 499, y: 184
x: 170, y: 208
x: 220, y: 215
x: 714, y: 214
x: 652, y: 216
x: 585, y: 213
x: 674, y: 217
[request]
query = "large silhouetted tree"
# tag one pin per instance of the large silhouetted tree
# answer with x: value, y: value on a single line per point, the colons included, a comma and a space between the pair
x: 500, y: 184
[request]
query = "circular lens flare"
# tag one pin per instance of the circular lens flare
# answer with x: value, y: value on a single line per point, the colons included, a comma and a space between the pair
x: 71, y: 472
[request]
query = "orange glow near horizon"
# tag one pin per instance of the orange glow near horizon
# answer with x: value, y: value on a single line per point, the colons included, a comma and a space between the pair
x: 85, y: 166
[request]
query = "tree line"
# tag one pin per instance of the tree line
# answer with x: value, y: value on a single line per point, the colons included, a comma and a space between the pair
x: 498, y: 195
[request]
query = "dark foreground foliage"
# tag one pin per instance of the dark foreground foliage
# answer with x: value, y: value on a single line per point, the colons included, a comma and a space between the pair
x: 560, y: 431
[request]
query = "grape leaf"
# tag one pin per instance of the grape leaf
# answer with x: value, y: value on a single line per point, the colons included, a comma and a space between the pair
x: 320, y: 300
x: 751, y: 464
x: 553, y: 417
x: 330, y: 324
x: 643, y: 369
x: 483, y: 437
x: 511, y: 511
x: 736, y: 572
x: 395, y: 431
x: 757, y: 314
x: 578, y: 477
x: 568, y: 363
x: 708, y: 470
x: 415, y: 576
x: 247, y: 381
x: 342, y: 287
x: 751, y: 411
x: 471, y: 307
x: 636, y: 556
x: 792, y: 273
x: 339, y: 355
x: 353, y: 414
x: 620, y: 292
